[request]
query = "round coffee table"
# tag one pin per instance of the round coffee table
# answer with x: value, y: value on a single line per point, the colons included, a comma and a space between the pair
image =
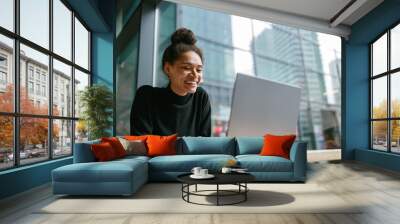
x: 238, y: 179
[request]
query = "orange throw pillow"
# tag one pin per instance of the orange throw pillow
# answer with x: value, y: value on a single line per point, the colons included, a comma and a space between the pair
x: 103, y: 151
x: 116, y: 145
x: 275, y: 145
x: 161, y: 145
x: 134, y: 137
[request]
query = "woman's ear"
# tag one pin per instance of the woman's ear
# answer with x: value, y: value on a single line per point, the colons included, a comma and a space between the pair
x: 167, y: 69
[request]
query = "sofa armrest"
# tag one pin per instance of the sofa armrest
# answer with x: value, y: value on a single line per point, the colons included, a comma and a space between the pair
x: 83, y: 152
x: 298, y: 155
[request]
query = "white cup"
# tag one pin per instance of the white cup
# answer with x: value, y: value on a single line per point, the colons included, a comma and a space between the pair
x: 226, y: 170
x: 203, y: 172
x: 196, y: 171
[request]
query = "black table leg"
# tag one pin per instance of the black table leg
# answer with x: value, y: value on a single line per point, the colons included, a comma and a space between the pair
x: 245, y: 193
x: 217, y: 194
x: 182, y: 189
x: 188, y: 190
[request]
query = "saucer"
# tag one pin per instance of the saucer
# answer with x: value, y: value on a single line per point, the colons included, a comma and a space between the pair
x: 208, y: 176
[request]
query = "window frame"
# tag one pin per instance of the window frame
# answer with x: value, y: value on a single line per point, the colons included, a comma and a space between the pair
x: 388, y: 74
x: 16, y: 115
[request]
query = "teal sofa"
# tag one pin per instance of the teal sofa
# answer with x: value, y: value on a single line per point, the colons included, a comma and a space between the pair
x: 125, y: 176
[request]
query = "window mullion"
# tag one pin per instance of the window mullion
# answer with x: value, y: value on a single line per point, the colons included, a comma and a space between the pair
x: 16, y: 84
x: 371, y: 89
x: 50, y: 87
x: 389, y: 106
x: 73, y: 82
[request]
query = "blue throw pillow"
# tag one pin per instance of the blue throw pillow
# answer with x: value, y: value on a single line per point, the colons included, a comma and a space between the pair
x: 249, y: 145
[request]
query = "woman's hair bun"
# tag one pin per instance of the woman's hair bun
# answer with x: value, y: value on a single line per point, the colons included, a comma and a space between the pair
x: 183, y: 35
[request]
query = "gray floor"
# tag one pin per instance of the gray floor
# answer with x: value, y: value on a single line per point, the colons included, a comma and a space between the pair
x: 378, y: 188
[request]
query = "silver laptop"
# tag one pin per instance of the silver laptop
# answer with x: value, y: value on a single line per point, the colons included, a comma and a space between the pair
x: 260, y: 106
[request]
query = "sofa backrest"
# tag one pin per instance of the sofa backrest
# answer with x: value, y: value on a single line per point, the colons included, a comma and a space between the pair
x: 249, y: 145
x: 206, y: 145
x: 83, y: 152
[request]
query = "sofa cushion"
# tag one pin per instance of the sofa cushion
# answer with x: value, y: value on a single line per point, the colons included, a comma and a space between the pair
x: 103, y: 152
x: 249, y: 145
x: 206, y: 145
x: 277, y: 145
x: 134, y: 147
x: 161, y: 145
x: 116, y: 145
x: 111, y: 171
x: 185, y: 163
x: 257, y: 163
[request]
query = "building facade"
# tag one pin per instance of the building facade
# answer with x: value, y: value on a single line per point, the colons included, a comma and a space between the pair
x: 34, y: 82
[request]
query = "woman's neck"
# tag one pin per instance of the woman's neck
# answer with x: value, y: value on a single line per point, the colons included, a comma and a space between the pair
x: 177, y: 91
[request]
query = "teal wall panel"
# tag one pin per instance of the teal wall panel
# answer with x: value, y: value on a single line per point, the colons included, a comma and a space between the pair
x: 102, y: 58
x: 24, y: 178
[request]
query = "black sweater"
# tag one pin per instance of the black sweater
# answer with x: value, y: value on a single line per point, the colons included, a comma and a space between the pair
x: 159, y: 111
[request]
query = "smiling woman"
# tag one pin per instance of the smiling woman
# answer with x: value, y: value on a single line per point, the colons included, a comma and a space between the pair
x: 181, y: 108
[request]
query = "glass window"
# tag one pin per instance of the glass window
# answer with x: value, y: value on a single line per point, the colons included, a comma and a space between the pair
x: 62, y: 138
x: 81, y: 45
x: 3, y: 78
x: 81, y: 131
x: 395, y: 47
x: 289, y: 55
x: 379, y: 98
x: 395, y: 136
x: 34, y: 21
x: 379, y: 56
x: 40, y: 61
x: 242, y: 25
x: 55, y: 106
x: 62, y: 72
x: 243, y: 62
x: 30, y: 86
x: 33, y: 140
x: 277, y: 71
x: 81, y: 81
x: 6, y: 142
x: 62, y: 29
x: 126, y: 70
x: 379, y: 135
x: 166, y: 26
x: 30, y: 72
x: 7, y: 14
x: 387, y: 83
x: 6, y: 73
x: 37, y: 89
x: 3, y: 60
x: 43, y: 90
x: 395, y: 95
x: 37, y: 75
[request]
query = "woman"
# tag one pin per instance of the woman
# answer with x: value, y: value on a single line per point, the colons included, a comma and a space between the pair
x: 181, y: 108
